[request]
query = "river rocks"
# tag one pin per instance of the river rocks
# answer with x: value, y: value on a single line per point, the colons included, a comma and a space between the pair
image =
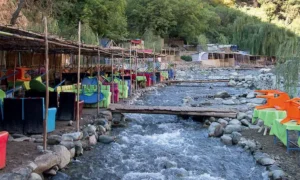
x: 106, y: 139
x: 265, y: 81
x: 91, y: 130
x: 45, y: 162
x: 232, y: 83
x: 257, y: 101
x: 75, y: 136
x: 231, y: 128
x: 60, y: 176
x: 101, y: 129
x: 241, y: 115
x: 100, y: 121
x: 251, y: 95
x: 278, y: 175
x: 50, y: 172
x: 222, y: 94
x: 235, y: 137
x: 247, y: 144
x: 228, y: 102
x: 266, y: 161
x: 92, y: 140
x: 63, y: 154
x: 68, y: 144
x: 78, y: 148
x: 35, y: 176
x: 245, y: 122
x: 105, y: 114
x: 23, y: 171
x: 215, y: 130
x: 54, y: 139
x: 223, y: 122
x: 72, y: 153
x: 226, y: 139
x: 21, y: 139
x: 11, y: 176
x: 234, y: 122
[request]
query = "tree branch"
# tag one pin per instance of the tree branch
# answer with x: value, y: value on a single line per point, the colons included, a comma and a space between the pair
x: 15, y: 15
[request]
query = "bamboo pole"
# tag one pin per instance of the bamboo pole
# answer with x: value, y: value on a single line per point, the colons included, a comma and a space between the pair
x: 47, y: 86
x: 78, y: 75
x: 98, y: 79
x: 112, y: 78
x: 130, y: 66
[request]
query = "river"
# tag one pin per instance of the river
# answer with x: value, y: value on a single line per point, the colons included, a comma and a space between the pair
x: 164, y: 147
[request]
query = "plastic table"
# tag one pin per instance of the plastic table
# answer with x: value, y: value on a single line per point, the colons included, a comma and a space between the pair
x: 268, y: 115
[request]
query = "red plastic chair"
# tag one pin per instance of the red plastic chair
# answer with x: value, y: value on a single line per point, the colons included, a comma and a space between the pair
x: 292, y: 108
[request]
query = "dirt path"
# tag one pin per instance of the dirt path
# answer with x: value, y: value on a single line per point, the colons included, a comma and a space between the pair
x: 290, y: 163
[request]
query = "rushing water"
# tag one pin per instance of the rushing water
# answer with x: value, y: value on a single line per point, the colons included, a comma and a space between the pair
x: 162, y: 147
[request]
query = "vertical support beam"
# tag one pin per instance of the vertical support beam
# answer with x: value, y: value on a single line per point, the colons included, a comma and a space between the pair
x: 123, y: 74
x: 136, y: 64
x: 112, y: 78
x: 47, y: 86
x: 130, y: 67
x: 98, y: 85
x: 154, y: 82
x: 14, y: 85
x: 78, y: 76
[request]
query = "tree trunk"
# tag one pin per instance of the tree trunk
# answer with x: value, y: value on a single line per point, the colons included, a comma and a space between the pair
x: 15, y: 15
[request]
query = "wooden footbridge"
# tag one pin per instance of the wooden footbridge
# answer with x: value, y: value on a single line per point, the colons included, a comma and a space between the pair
x: 196, y: 81
x: 174, y: 110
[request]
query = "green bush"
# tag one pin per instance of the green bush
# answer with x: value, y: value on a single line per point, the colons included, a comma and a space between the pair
x: 186, y: 58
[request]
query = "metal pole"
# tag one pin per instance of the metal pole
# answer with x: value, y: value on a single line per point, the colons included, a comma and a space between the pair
x: 112, y: 78
x: 130, y: 67
x: 47, y: 86
x: 78, y: 75
x: 98, y: 81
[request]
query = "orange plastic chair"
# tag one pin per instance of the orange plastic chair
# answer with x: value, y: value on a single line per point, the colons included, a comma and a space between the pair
x: 275, y: 99
x: 292, y: 108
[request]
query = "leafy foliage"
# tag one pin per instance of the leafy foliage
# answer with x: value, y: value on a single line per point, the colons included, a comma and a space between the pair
x: 186, y: 58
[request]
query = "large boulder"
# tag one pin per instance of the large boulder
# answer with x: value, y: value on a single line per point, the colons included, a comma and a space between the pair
x: 246, y: 123
x: 75, y: 136
x: 232, y: 83
x: 222, y: 94
x: 226, y: 139
x: 106, y: 139
x: 60, y: 176
x: 105, y: 114
x: 35, y: 176
x: 63, y: 154
x: 223, y: 122
x: 24, y: 171
x: 100, y: 121
x: 92, y: 140
x: 91, y: 129
x: 68, y: 144
x: 215, y: 130
x: 236, y: 137
x: 78, y: 148
x: 45, y: 162
x: 54, y: 139
x: 231, y: 128
x: 241, y: 115
x: 278, y: 175
x: 235, y: 122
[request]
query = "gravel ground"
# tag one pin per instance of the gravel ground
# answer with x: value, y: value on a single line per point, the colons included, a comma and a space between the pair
x: 290, y: 163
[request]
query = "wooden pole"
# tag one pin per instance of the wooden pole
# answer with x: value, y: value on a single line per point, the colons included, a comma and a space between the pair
x: 78, y: 75
x: 14, y: 85
x: 98, y: 79
x: 130, y: 66
x: 112, y: 78
x: 154, y: 67
x: 47, y: 86
x: 123, y: 74
x: 136, y: 64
